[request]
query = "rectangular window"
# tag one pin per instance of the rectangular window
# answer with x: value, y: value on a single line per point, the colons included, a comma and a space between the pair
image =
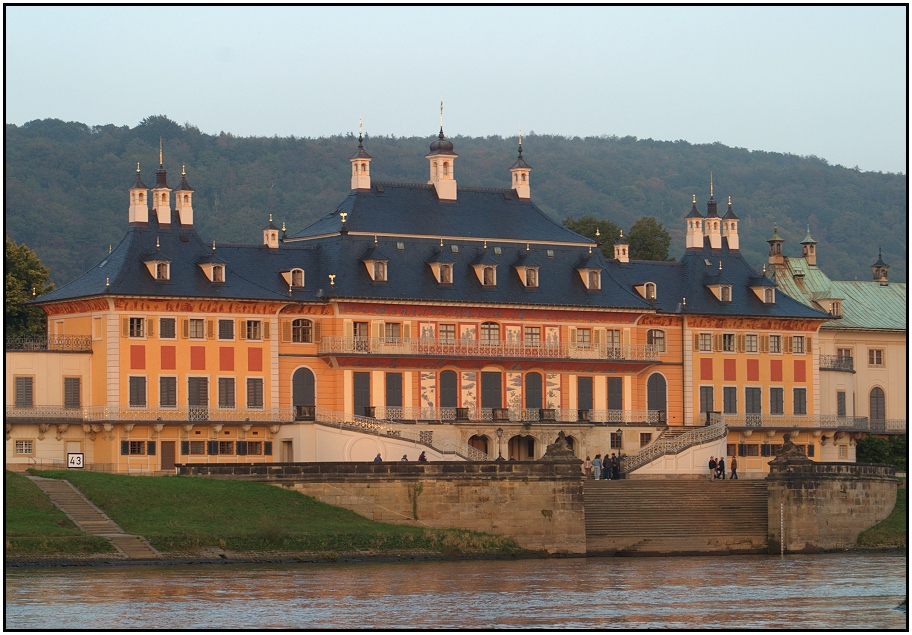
x: 255, y: 447
x: 615, y: 393
x: 226, y: 447
x: 137, y: 447
x: 393, y: 390
x: 706, y: 342
x: 730, y: 400
x: 197, y: 329
x: 776, y: 407
x: 138, y: 392
x: 799, y: 403
x: 23, y: 446
x: 616, y: 440
x: 226, y: 329
x: 751, y: 449
x: 197, y: 447
x: 731, y: 449
x: 137, y: 326
x: 843, y: 451
x: 798, y: 344
x: 532, y: 335
x: 728, y: 342
x: 255, y: 392
x: 840, y: 403
x: 706, y: 399
x: 752, y: 402
x: 875, y: 357
x: 167, y: 328
x: 583, y: 338
x: 844, y: 353
x: 254, y: 330
x: 447, y: 333
x: 750, y: 343
x: 392, y: 332
x: 72, y: 392
x: 645, y: 439
x: 167, y: 392
x: 226, y: 392
x: 584, y: 393
x: 775, y: 343
x: 655, y: 337
x: 24, y: 393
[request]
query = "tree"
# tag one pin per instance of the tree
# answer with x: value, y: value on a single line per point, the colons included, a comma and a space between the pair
x: 24, y: 272
x: 891, y: 451
x: 649, y: 240
x: 586, y: 226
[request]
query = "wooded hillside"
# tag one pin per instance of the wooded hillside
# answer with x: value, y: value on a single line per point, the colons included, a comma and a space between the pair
x: 67, y: 187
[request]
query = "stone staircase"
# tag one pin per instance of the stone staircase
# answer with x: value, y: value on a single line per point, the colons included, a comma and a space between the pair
x: 93, y: 521
x: 662, y: 517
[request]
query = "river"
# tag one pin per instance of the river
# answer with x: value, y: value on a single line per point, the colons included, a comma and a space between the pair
x: 833, y: 591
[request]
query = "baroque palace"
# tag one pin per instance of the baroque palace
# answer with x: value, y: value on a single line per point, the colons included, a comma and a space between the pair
x: 458, y: 321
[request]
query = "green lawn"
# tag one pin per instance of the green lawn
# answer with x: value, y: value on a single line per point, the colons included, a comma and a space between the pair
x: 34, y: 526
x: 892, y: 531
x: 186, y: 513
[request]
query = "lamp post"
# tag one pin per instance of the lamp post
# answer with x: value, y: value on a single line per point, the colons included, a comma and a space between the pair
x: 499, y: 437
x: 620, y: 433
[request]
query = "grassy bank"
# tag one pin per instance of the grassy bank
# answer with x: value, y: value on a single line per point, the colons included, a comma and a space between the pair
x: 34, y: 526
x: 187, y: 515
x: 892, y: 532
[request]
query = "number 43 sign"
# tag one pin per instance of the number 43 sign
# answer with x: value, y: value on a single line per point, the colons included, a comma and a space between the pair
x: 75, y: 460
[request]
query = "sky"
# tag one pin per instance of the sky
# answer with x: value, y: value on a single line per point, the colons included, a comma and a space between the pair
x: 828, y: 81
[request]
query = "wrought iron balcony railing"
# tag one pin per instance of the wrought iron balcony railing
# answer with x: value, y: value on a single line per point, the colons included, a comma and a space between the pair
x: 799, y: 422
x: 123, y: 413
x: 68, y: 343
x: 836, y: 362
x: 514, y: 415
x: 483, y: 348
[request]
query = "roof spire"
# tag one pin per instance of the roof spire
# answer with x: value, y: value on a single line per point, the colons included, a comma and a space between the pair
x: 710, y: 184
x: 213, y: 246
x: 183, y: 170
x: 137, y: 167
x: 160, y: 153
x: 157, y: 245
x: 694, y: 199
x: 441, y: 117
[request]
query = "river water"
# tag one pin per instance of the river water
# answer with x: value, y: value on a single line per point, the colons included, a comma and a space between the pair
x: 834, y: 591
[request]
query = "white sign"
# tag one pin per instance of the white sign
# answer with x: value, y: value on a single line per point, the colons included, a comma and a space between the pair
x: 75, y: 460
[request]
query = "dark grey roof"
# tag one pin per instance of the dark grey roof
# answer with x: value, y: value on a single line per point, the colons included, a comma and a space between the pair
x: 360, y: 154
x: 730, y: 215
x: 520, y: 162
x: 694, y: 213
x: 711, y: 209
x: 441, y: 145
x: 161, y: 178
x: 184, y: 186
x: 880, y: 262
x: 138, y: 184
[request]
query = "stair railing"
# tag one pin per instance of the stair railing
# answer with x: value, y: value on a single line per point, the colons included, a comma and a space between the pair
x: 674, y: 445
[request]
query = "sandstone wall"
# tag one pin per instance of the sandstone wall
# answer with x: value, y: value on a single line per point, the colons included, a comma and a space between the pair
x: 824, y: 506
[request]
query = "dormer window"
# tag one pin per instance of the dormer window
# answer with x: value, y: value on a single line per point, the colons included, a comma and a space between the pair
x: 489, y: 277
x: 376, y: 267
x: 726, y: 293
x: 380, y: 271
x: 162, y: 271
x: 836, y: 308
x: 446, y: 274
x: 297, y: 277
x: 531, y: 277
x: 723, y: 292
x: 595, y: 280
x: 218, y: 273
x: 650, y: 291
x: 766, y: 294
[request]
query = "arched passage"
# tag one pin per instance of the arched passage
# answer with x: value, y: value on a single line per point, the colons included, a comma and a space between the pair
x: 521, y: 448
x: 479, y: 442
x: 655, y: 395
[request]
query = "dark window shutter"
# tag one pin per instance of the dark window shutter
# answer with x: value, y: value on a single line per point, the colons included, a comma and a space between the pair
x: 212, y: 447
x: 742, y: 449
x: 150, y: 448
x: 185, y: 447
x: 765, y: 449
x: 810, y: 450
x: 125, y: 447
x: 240, y: 448
x: 267, y: 448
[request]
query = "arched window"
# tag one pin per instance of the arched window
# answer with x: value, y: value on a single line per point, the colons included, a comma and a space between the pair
x: 726, y: 294
x: 141, y: 197
x: 302, y: 331
x: 479, y: 442
x: 434, y: 169
x: 488, y: 276
x: 380, y: 271
x: 164, y: 197
x: 186, y: 198
x: 531, y: 277
x: 515, y: 177
x: 769, y: 296
x: 655, y: 337
x: 446, y: 168
x: 297, y: 277
x: 877, y: 410
x: 218, y: 273
x: 523, y: 177
x: 595, y: 281
x: 490, y: 333
x: 161, y: 271
x: 650, y: 291
x: 446, y: 274
x: 656, y: 395
x: 364, y: 167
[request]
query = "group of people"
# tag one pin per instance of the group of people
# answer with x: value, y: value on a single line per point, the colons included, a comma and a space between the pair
x: 608, y: 468
x: 717, y: 468
x: 421, y: 458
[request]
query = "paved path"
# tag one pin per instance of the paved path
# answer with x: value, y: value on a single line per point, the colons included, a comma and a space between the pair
x: 94, y: 521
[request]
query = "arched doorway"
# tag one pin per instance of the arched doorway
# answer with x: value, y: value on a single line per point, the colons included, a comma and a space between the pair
x: 655, y: 395
x: 571, y: 443
x: 302, y: 388
x: 449, y: 394
x: 521, y: 448
x: 479, y: 442
x: 878, y: 409
x: 533, y: 391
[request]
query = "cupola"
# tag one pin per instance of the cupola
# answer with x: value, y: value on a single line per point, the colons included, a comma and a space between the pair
x: 183, y: 197
x: 694, y: 236
x: 775, y: 251
x: 880, y: 268
x: 271, y: 235
x: 441, y: 159
x: 360, y: 161
x: 809, y: 248
x: 139, y: 200
x: 520, y: 175
x: 621, y: 248
x: 713, y: 224
x: 161, y: 193
x: 730, y: 228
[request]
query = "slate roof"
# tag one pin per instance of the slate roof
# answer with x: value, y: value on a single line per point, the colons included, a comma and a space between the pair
x: 866, y: 305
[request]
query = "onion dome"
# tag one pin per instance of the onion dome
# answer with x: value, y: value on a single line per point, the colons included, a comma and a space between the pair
x: 441, y: 145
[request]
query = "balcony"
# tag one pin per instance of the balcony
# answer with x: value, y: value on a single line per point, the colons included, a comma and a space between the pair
x: 837, y: 362
x: 95, y: 414
x: 429, y: 347
x: 516, y: 415
x: 51, y: 343
x: 815, y: 422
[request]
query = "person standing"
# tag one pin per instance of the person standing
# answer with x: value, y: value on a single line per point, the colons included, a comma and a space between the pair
x: 615, y: 467
x: 597, y: 466
x: 378, y: 459
x: 422, y: 458
x: 734, y: 468
x: 712, y: 468
x: 587, y: 466
x: 722, y: 467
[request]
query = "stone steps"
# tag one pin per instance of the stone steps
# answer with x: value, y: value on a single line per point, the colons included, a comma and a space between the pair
x: 93, y: 521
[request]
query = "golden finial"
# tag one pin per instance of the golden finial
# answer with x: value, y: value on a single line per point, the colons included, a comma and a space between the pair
x: 342, y: 215
x: 527, y: 246
x: 332, y: 279
x: 590, y: 250
x: 597, y: 232
x: 160, y: 154
x: 485, y: 243
x: 441, y: 114
x: 520, y: 136
x: 283, y: 227
x: 375, y: 239
x: 441, y: 241
x: 107, y: 282
x: 360, y: 126
x: 33, y: 291
x: 270, y: 218
x: 137, y: 167
x: 695, y: 199
x: 720, y: 266
x: 729, y: 201
x: 213, y: 245
x: 710, y: 184
x: 622, y: 233
x: 183, y: 170
x: 684, y: 302
x: 157, y: 246
x: 110, y: 247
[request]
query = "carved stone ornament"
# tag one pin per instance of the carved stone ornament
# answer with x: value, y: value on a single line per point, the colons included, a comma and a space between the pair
x: 790, y: 453
x: 274, y: 429
x: 9, y: 427
x: 42, y: 428
x: 559, y: 450
x: 61, y: 430
x: 157, y: 428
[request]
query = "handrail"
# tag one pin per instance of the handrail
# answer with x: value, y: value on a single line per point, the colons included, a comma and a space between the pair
x: 525, y: 415
x: 859, y: 424
x: 836, y: 362
x: 69, y: 343
x: 379, y: 427
x: 675, y: 445
x: 125, y: 413
x: 330, y: 345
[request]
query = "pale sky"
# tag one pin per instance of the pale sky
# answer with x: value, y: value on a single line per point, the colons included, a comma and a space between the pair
x: 829, y: 81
